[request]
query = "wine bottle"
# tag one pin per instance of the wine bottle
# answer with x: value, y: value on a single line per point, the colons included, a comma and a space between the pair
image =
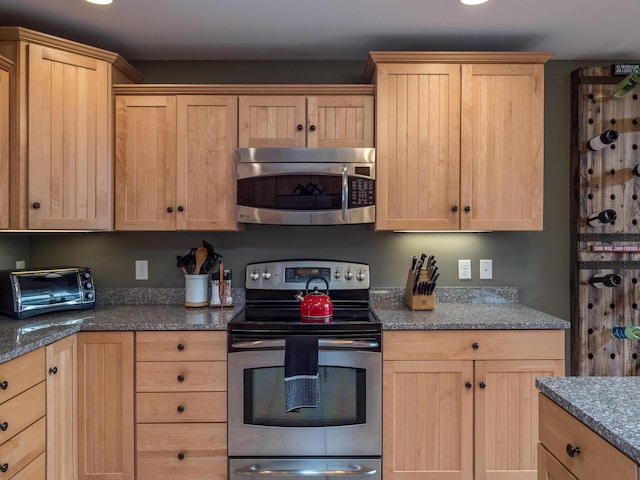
x: 602, y: 218
x: 626, y: 332
x: 626, y: 84
x: 602, y: 280
x: 605, y: 138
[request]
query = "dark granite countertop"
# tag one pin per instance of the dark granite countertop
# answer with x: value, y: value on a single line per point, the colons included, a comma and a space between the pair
x: 160, y: 309
x: 610, y: 406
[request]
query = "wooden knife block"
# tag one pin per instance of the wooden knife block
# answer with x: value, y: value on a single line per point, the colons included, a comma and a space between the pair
x: 417, y: 302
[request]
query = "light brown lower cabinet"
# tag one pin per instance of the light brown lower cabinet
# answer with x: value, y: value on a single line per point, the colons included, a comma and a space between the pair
x: 105, y: 406
x: 569, y: 450
x: 462, y: 405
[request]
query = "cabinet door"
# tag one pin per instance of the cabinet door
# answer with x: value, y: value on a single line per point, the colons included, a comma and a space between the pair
x: 62, y: 411
x: 4, y: 148
x: 428, y: 420
x: 272, y: 121
x: 145, y: 163
x: 105, y: 406
x: 70, y: 165
x: 207, y: 129
x: 418, y: 147
x: 506, y: 417
x: 502, y: 146
x: 340, y: 121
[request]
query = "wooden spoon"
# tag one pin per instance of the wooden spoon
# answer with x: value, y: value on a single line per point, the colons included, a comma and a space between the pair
x: 201, y: 256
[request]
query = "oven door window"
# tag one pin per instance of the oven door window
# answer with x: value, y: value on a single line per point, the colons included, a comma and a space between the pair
x: 342, y: 398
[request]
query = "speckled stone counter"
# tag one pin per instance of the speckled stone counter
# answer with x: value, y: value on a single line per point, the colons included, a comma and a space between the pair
x: 161, y: 309
x: 610, y: 406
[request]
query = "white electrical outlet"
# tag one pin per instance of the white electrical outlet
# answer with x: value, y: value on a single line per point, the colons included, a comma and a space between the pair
x: 142, y: 270
x: 464, y: 269
x: 20, y: 264
x: 486, y: 269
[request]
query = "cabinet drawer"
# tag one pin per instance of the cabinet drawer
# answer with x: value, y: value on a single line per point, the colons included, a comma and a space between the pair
x: 597, y: 459
x: 181, y: 346
x: 473, y: 345
x: 549, y: 468
x: 22, y: 449
x: 181, y: 407
x: 21, y: 411
x: 36, y: 470
x: 181, y: 376
x: 203, y: 448
x: 21, y: 373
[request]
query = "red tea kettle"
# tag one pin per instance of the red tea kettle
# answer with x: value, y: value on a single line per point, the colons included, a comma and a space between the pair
x: 315, y: 307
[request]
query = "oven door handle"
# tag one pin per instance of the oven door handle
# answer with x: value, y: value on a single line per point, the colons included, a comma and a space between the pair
x: 349, y: 471
x: 345, y: 192
x: 326, y: 343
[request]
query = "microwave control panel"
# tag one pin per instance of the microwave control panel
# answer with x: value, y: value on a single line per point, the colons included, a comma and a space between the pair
x: 361, y: 192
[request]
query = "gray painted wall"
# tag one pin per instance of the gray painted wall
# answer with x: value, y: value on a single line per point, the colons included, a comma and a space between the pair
x: 536, y: 262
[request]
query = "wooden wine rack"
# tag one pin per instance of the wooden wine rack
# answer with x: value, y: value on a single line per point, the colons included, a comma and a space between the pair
x: 604, y: 180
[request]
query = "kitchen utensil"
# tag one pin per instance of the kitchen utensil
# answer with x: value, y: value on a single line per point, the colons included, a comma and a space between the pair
x: 315, y: 307
x: 201, y: 256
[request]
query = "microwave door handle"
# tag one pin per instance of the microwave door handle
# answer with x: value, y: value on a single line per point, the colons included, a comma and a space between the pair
x: 348, y: 471
x: 345, y: 192
x: 329, y: 343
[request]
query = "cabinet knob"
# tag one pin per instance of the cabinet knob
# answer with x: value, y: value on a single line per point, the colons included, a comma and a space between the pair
x: 4, y: 385
x: 35, y: 205
x: 467, y: 208
x: 181, y: 456
x: 454, y: 208
x: 299, y: 127
x: 180, y: 208
x: 571, y: 450
x: 180, y: 408
x: 4, y: 467
x: 169, y: 209
x: 180, y: 347
x: 475, y: 345
x: 482, y: 385
x: 181, y: 378
x: 53, y: 370
x: 312, y: 128
x: 468, y: 384
x: 4, y: 426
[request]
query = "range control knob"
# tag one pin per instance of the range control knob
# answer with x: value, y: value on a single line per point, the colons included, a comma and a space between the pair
x: 348, y: 275
x: 337, y: 274
x: 255, y: 276
x: 266, y: 274
x: 360, y: 275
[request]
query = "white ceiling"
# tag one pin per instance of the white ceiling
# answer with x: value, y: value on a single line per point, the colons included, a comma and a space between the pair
x: 335, y: 29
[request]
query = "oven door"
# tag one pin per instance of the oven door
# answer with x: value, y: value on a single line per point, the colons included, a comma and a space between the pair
x: 346, y: 422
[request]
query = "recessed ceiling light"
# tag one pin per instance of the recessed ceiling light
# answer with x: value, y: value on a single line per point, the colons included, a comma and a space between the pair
x: 101, y: 2
x: 473, y: 2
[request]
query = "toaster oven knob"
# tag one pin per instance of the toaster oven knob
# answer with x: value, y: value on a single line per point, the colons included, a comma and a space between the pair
x: 266, y: 275
x: 348, y: 275
x: 255, y: 276
x: 88, y: 295
x: 88, y: 285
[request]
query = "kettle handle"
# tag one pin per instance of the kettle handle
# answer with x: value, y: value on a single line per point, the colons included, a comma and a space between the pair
x: 317, y: 278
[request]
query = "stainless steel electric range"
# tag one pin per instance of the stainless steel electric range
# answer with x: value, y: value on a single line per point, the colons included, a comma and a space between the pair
x: 341, y: 435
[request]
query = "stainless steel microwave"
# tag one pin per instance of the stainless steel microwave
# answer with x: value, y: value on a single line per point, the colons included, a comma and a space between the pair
x: 306, y: 186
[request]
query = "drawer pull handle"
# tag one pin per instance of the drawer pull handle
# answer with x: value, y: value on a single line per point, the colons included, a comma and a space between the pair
x: 571, y: 450
x: 475, y: 345
x: 4, y: 426
x: 468, y: 385
x: 181, y: 378
x: 4, y: 385
x: 4, y: 467
x: 482, y: 385
x: 181, y: 456
x: 53, y: 370
x: 180, y: 408
x: 180, y: 347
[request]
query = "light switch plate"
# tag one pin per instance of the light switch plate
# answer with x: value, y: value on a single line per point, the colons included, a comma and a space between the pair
x: 486, y: 269
x: 464, y: 269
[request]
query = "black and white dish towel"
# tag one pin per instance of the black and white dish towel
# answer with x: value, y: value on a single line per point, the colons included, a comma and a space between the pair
x: 301, y: 384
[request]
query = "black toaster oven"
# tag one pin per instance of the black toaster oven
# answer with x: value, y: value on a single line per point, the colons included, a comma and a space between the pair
x: 28, y: 292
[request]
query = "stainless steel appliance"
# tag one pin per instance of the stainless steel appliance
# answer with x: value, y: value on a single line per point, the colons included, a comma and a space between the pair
x: 25, y: 293
x: 342, y: 435
x: 306, y: 186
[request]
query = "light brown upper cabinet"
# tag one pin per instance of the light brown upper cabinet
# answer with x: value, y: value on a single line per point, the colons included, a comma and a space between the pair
x: 327, y: 121
x: 61, y: 121
x: 5, y: 65
x: 175, y: 162
x: 459, y: 140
